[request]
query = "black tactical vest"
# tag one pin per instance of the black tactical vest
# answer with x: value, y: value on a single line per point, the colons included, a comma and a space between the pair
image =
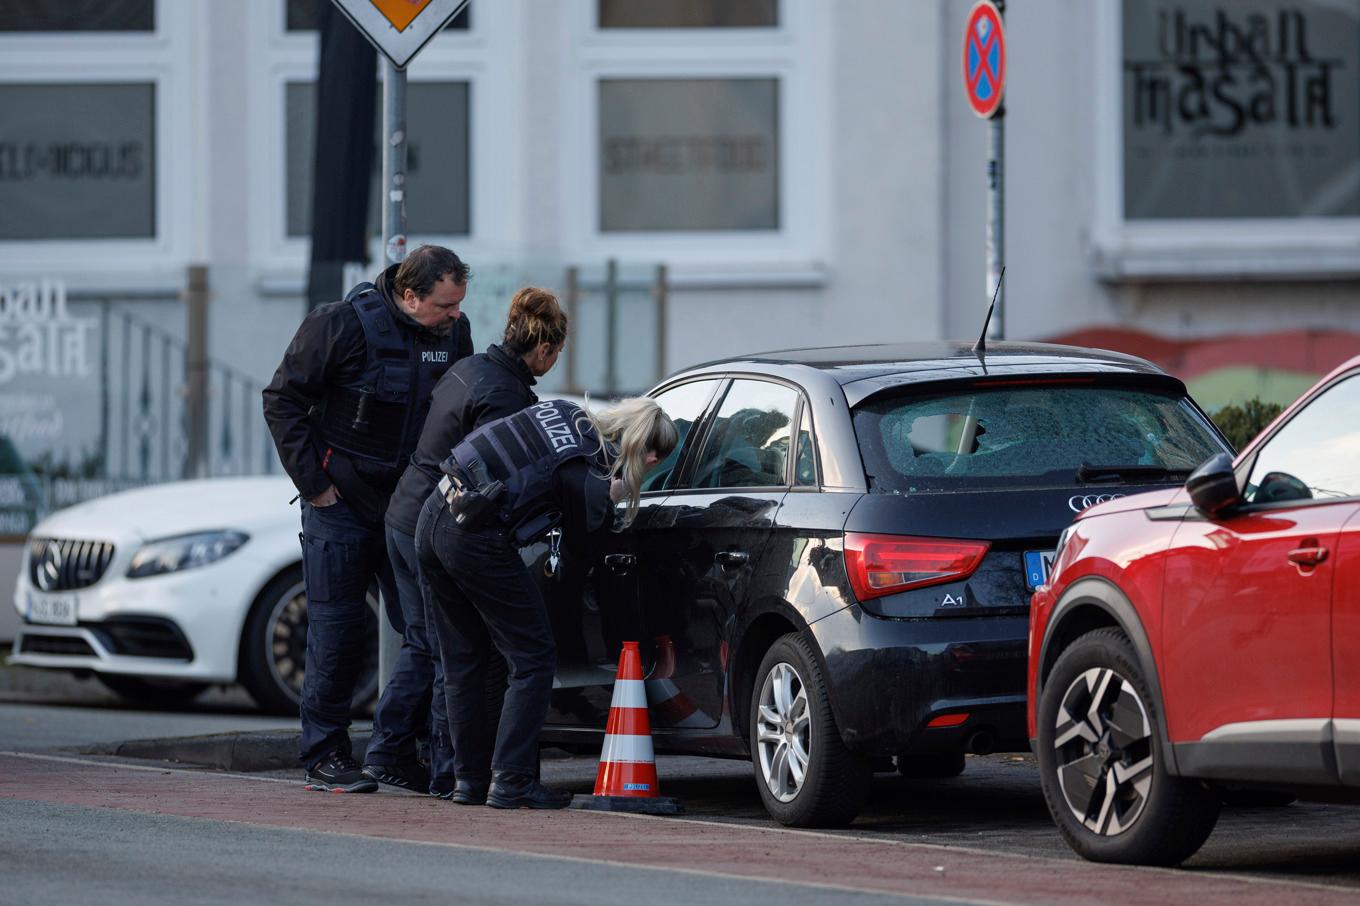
x: 522, y: 451
x: 378, y: 415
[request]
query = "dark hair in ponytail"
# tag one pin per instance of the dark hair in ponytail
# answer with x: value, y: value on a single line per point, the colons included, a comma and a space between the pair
x: 535, y: 317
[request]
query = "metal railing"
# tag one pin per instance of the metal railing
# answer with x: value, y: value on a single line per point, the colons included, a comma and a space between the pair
x: 145, y: 412
x: 616, y: 344
x: 101, y: 394
x: 149, y: 405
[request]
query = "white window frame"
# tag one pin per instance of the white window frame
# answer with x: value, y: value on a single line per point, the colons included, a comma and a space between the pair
x: 1262, y: 248
x: 795, y: 53
x: 165, y: 58
x: 486, y: 56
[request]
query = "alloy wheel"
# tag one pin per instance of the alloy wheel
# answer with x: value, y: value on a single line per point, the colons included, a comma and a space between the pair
x: 783, y: 732
x: 286, y: 636
x: 1103, y: 751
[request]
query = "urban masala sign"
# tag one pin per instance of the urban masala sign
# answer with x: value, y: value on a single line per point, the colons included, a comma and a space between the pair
x: 1248, y: 109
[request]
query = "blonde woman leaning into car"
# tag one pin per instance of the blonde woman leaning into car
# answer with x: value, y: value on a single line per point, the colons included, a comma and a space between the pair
x: 508, y: 484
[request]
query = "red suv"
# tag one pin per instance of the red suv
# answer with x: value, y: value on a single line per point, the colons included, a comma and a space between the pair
x: 1204, y: 638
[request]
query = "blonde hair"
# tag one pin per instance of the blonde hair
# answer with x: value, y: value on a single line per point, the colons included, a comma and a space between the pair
x: 632, y: 427
x: 535, y: 317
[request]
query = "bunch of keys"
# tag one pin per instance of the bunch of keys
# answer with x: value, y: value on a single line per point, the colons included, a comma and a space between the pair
x: 552, y: 567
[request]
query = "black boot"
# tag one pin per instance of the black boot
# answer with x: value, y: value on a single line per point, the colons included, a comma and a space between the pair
x: 466, y: 792
x: 512, y: 790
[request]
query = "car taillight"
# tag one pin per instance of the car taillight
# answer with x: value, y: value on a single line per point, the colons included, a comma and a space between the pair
x: 881, y: 565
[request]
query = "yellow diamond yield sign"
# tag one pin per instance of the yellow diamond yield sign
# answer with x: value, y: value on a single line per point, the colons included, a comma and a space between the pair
x: 400, y: 28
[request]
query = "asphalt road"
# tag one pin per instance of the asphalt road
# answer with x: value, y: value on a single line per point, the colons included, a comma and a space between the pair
x: 71, y: 854
x: 995, y: 808
x: 228, y: 851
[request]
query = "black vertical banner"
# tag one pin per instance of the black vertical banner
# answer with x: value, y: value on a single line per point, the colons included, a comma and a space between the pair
x: 346, y: 88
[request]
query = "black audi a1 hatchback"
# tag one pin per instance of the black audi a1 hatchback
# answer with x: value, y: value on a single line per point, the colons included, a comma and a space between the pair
x: 834, y: 567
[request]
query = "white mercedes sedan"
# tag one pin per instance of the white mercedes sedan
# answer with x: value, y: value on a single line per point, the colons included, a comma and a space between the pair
x: 163, y: 591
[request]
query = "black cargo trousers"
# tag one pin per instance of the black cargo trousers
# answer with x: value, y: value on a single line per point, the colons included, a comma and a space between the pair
x: 342, y: 555
x: 482, y: 601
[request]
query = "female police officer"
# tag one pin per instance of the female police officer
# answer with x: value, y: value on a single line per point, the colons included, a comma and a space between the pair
x: 507, y: 484
x: 477, y: 390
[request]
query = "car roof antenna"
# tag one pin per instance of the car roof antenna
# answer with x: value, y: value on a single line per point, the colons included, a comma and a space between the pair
x: 980, y: 347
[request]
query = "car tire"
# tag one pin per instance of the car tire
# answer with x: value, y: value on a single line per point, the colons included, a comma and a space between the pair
x: 274, y: 647
x: 1102, y: 765
x: 151, y: 691
x: 931, y: 765
x: 792, y: 729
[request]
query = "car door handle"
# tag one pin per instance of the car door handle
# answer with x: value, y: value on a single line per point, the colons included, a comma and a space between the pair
x: 619, y: 564
x: 727, y: 559
x: 1308, y: 556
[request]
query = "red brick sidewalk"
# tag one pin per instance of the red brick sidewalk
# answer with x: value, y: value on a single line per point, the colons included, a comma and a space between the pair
x: 658, y: 843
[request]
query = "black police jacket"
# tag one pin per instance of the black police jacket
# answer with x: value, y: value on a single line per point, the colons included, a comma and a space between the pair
x: 328, y: 351
x: 476, y: 390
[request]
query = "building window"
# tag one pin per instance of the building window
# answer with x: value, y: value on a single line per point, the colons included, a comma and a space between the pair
x: 688, y: 13
x: 437, y: 199
x: 1242, y: 110
x: 681, y: 122
x: 689, y: 154
x: 77, y: 161
x: 77, y: 15
x: 301, y: 15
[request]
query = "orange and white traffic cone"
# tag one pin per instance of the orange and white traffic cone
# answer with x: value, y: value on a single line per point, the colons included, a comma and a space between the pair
x: 672, y: 706
x: 626, y: 781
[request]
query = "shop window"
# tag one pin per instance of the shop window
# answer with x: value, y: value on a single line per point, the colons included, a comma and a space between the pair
x: 77, y: 15
x: 688, y: 13
x: 77, y: 161
x: 437, y: 200
x: 1240, y: 110
x: 301, y: 15
x: 689, y: 154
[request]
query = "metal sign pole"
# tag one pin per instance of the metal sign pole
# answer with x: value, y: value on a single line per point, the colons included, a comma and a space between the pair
x: 996, y: 213
x: 394, y: 163
x: 984, y: 81
x: 996, y: 221
x: 394, y: 252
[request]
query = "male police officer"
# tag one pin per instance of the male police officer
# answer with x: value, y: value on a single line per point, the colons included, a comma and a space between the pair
x: 345, y: 408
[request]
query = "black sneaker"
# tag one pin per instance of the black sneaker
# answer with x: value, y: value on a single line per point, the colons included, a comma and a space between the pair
x: 409, y: 775
x: 339, y: 773
x: 523, y: 791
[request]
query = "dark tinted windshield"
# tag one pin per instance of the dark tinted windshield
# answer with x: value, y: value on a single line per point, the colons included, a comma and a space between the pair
x: 1023, y: 437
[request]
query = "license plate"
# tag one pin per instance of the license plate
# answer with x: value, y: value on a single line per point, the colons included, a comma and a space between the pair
x: 60, y: 609
x: 1037, y: 566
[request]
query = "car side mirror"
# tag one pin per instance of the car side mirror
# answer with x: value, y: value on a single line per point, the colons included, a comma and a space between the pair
x: 1213, y: 486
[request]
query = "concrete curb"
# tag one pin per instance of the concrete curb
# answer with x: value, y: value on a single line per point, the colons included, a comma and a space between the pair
x: 245, y: 752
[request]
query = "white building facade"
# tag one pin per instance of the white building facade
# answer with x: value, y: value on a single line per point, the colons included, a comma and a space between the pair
x: 808, y: 172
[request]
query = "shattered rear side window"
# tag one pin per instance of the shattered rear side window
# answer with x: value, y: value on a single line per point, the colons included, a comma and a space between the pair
x: 1019, y: 437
